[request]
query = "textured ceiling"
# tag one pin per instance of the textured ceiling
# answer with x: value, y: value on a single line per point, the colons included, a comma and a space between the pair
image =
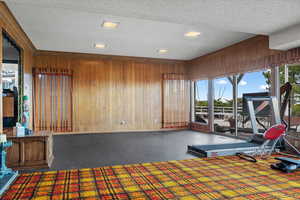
x: 147, y: 25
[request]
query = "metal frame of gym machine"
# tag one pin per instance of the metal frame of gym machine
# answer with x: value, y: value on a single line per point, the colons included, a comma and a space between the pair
x: 255, y: 145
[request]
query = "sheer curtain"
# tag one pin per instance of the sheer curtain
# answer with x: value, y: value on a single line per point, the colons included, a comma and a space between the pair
x: 176, y: 101
x: 53, y: 99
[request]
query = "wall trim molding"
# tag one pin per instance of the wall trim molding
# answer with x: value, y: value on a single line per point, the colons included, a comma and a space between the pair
x: 121, y: 131
x: 109, y: 57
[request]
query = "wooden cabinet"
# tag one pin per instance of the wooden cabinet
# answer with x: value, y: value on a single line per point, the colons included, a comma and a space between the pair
x: 8, y: 106
x: 30, y: 152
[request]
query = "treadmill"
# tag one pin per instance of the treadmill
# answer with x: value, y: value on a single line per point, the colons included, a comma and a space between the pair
x: 249, y: 147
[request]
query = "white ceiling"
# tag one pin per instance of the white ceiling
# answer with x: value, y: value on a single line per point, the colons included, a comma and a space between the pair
x: 148, y: 25
x: 286, y: 39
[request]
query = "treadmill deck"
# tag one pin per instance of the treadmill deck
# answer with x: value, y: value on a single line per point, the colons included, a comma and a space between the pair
x: 224, y: 149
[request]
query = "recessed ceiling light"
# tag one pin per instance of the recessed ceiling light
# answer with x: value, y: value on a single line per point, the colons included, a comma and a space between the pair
x: 110, y: 25
x: 100, y: 46
x: 192, y: 34
x: 162, y: 51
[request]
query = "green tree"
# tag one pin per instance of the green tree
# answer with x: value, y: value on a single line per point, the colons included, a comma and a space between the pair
x: 294, y: 79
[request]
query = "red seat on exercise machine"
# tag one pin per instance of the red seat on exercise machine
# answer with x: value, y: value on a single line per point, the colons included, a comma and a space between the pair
x: 275, y: 132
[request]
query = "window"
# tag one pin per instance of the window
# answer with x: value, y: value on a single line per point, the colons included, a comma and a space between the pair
x: 201, y: 101
x: 12, y: 83
x: 223, y: 105
x: 253, y: 84
x: 9, y: 76
x: 291, y: 73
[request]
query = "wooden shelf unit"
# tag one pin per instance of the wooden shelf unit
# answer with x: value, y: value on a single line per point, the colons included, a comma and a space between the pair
x: 30, y: 152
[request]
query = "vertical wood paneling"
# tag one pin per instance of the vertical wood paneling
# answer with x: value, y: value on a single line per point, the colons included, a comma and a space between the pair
x: 247, y: 55
x: 115, y: 93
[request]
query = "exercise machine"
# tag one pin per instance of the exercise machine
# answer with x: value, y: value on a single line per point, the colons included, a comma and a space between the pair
x: 286, y: 165
x: 258, y: 144
x: 262, y: 107
x: 275, y: 134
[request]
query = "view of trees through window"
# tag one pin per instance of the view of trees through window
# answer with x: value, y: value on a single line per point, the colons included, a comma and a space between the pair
x: 294, y: 79
x: 223, y: 105
x: 290, y: 74
x: 251, y: 82
x: 201, y: 101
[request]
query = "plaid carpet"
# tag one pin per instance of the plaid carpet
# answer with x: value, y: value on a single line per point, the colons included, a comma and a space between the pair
x: 210, y: 178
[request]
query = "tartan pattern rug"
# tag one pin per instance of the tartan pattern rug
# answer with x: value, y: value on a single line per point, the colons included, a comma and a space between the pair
x: 203, y: 178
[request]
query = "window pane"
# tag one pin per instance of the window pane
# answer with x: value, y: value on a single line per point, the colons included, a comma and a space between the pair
x: 253, y: 84
x: 9, y: 76
x: 223, y: 106
x: 292, y: 113
x: 201, y: 101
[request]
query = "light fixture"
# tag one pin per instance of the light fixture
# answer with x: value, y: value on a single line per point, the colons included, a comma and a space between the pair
x: 100, y: 46
x: 110, y: 25
x: 192, y: 34
x: 162, y: 51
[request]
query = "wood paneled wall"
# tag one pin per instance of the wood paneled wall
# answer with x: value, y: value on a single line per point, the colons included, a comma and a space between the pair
x: 245, y: 56
x: 112, y: 93
x: 9, y: 24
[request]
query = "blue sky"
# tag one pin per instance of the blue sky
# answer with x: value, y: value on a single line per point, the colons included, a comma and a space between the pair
x: 251, y: 82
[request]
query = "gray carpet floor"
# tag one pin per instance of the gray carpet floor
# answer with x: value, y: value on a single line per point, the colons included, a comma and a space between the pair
x: 96, y: 150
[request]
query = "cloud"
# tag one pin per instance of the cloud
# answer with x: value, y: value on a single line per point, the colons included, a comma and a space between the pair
x: 263, y: 87
x: 242, y: 83
x: 222, y: 82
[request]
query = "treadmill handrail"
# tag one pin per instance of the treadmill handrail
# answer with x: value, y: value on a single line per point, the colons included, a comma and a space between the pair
x: 252, y: 112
